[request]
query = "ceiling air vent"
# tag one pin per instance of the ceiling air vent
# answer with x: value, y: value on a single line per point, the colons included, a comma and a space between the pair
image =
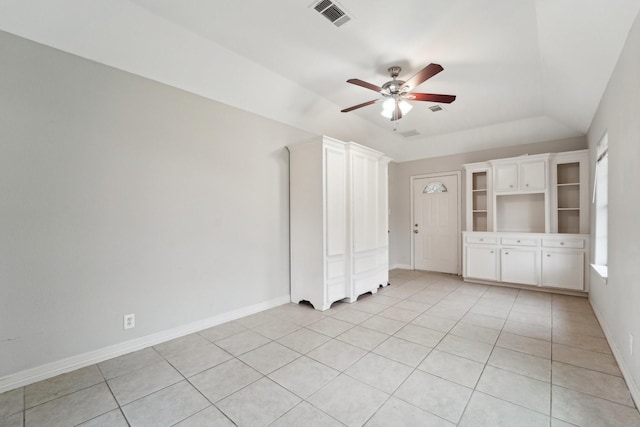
x: 409, y: 133
x: 332, y: 12
x: 436, y: 108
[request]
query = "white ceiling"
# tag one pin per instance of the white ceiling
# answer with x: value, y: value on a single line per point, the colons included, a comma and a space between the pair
x: 522, y: 70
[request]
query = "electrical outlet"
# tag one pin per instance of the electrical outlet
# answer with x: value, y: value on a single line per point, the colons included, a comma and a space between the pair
x: 129, y: 321
x: 630, y: 345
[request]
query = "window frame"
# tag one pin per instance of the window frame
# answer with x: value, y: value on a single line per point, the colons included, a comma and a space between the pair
x: 601, y: 209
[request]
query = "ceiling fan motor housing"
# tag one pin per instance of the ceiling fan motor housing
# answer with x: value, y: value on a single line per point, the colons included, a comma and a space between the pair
x: 395, y: 86
x: 394, y: 71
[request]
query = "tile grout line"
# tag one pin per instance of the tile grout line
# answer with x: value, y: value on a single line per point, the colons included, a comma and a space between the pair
x: 486, y: 362
x: 427, y: 355
x: 412, y: 372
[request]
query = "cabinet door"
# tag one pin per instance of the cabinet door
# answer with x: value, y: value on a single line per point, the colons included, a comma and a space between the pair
x: 518, y: 266
x: 506, y: 177
x: 563, y: 269
x: 533, y: 176
x: 364, y: 202
x: 335, y: 202
x: 481, y: 262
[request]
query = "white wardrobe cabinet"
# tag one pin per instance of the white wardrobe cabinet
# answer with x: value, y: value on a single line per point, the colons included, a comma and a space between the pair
x: 339, y: 221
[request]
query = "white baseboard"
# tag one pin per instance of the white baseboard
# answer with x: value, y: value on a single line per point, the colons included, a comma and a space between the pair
x: 50, y: 370
x: 402, y: 266
x: 617, y: 354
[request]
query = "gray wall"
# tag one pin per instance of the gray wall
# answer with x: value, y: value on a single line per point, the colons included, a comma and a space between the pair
x: 618, y: 301
x: 121, y: 195
x: 400, y: 174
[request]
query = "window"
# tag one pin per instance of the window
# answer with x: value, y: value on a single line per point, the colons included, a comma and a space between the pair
x: 435, y: 187
x: 601, y: 201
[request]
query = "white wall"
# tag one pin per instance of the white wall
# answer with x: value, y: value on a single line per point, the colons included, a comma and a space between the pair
x: 126, y: 36
x: 399, y: 182
x: 618, y: 301
x: 121, y: 195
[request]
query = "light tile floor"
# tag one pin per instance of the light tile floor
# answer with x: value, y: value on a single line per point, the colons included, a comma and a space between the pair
x: 429, y: 350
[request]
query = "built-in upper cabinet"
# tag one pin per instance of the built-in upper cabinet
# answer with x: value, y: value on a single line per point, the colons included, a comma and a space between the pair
x: 520, y: 174
x: 541, y: 193
x: 533, y: 176
x: 506, y: 178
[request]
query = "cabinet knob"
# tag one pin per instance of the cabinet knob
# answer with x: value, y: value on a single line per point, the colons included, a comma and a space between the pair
x: 548, y: 255
x: 511, y: 186
x: 482, y: 240
x: 416, y: 231
x: 526, y: 185
x: 518, y: 241
x: 506, y: 253
x: 561, y: 243
x: 490, y: 252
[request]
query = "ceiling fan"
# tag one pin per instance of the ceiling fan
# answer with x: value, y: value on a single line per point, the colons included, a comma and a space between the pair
x: 395, y: 93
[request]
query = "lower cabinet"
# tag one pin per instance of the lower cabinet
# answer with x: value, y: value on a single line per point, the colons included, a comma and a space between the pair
x: 518, y: 266
x: 537, y: 259
x: 482, y: 262
x: 563, y: 269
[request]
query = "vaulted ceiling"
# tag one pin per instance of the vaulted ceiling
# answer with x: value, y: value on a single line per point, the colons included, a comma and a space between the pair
x: 523, y: 70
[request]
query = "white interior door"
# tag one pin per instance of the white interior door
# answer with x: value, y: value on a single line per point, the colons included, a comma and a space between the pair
x: 435, y: 223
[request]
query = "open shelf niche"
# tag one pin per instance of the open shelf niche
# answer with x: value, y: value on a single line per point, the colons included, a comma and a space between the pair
x: 568, y: 197
x: 479, y: 200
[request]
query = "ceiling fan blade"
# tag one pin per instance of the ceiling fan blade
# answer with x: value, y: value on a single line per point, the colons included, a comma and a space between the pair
x: 431, y: 97
x: 364, y: 104
x: 423, y: 75
x: 364, y: 84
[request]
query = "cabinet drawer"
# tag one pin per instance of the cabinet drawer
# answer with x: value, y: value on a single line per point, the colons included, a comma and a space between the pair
x: 488, y: 240
x: 516, y: 241
x: 563, y: 243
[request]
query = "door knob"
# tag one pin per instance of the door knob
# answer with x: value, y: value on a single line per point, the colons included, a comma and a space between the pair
x: 416, y: 231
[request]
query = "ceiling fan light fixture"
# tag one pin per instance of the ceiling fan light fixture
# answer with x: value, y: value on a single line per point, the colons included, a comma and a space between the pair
x: 405, y: 107
x: 389, y: 107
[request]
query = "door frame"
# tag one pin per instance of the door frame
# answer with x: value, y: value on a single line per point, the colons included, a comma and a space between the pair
x: 458, y: 175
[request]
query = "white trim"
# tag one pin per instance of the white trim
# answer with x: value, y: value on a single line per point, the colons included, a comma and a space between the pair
x: 402, y: 266
x: 43, y: 372
x: 458, y: 175
x: 617, y: 354
x: 602, y: 271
